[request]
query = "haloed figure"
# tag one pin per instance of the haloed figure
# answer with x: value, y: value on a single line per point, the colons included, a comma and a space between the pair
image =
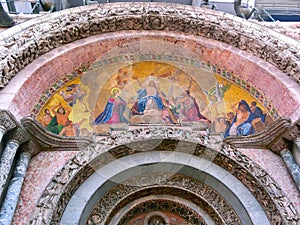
x: 114, y: 109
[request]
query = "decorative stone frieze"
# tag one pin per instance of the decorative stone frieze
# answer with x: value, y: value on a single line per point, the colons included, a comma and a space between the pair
x: 104, y: 150
x: 34, y: 39
x: 280, y: 204
x: 160, y: 204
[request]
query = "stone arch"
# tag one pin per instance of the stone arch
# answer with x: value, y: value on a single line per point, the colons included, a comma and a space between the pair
x: 277, y: 54
x: 56, y: 196
x: 99, y: 19
x: 176, y: 186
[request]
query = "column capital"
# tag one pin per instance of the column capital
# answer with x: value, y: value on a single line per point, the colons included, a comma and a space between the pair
x: 19, y: 135
x: 31, y: 148
x: 287, y: 139
x: 7, y: 121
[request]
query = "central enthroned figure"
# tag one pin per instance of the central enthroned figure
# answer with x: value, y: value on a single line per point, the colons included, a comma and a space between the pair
x: 150, y: 97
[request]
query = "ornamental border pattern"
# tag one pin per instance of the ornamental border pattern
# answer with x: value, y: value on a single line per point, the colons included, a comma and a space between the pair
x: 54, y: 199
x: 22, y: 44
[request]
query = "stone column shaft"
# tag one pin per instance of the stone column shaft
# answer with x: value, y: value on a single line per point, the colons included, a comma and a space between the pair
x: 296, y: 150
x: 2, y: 132
x: 12, y: 196
x: 292, y: 166
x: 6, y: 162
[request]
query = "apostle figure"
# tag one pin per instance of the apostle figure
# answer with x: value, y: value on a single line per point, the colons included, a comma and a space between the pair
x: 114, y: 109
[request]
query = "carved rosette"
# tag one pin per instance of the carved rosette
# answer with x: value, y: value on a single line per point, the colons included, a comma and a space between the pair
x: 276, y: 205
x: 51, y: 32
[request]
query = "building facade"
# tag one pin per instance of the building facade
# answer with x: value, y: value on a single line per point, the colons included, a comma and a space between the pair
x: 148, y: 113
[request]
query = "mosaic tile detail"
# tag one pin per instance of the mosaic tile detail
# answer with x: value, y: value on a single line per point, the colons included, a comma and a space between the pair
x: 55, y: 87
x: 252, y: 90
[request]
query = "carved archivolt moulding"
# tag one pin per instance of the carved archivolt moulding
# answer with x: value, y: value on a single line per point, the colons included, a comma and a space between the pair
x: 51, y: 205
x: 22, y: 44
x: 176, y: 185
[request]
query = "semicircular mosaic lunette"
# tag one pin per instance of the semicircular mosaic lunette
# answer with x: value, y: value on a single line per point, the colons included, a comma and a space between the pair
x: 233, y: 78
x: 24, y: 43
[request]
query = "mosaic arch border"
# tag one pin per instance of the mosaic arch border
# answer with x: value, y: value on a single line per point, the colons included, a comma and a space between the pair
x: 276, y: 205
x: 61, y: 28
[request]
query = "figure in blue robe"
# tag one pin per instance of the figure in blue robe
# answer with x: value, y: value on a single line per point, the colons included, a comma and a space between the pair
x: 149, y: 92
x: 245, y: 127
x: 113, y: 111
x: 257, y: 112
x: 106, y: 114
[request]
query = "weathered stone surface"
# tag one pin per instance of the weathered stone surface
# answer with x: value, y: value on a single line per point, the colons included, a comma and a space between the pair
x: 35, y: 39
x: 277, y: 206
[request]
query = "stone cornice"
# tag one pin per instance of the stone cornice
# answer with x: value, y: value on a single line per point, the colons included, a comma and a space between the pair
x: 262, y: 139
x: 277, y: 137
x: 22, y: 44
x: 285, y: 141
x: 48, y: 141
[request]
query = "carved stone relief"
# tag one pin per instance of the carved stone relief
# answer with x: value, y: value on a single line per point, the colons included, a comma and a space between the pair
x: 51, y: 32
x: 177, y: 185
x: 104, y: 150
x: 7, y: 121
x: 272, y: 199
x: 19, y: 136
